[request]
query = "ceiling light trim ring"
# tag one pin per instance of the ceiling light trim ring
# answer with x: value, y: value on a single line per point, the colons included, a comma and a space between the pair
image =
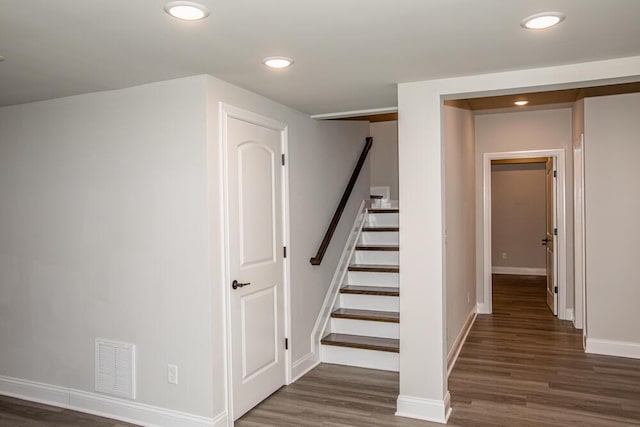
x: 186, y: 10
x: 277, y: 62
x: 542, y: 21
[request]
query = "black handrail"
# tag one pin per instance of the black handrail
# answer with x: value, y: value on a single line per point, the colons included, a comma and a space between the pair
x: 316, y: 260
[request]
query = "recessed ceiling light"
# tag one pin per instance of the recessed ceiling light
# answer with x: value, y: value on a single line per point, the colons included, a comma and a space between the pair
x: 277, y: 62
x: 521, y: 103
x: 186, y: 10
x: 541, y: 21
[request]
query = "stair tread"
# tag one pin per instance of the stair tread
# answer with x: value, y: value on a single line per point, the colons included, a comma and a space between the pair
x: 371, y: 290
x: 372, y: 315
x: 380, y: 229
x: 376, y: 268
x: 391, y: 248
x: 359, y: 341
x: 383, y: 210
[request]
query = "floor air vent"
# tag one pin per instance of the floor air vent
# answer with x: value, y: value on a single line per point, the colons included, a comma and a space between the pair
x: 115, y: 368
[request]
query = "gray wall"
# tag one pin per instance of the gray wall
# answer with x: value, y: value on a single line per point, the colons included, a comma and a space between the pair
x: 518, y: 201
x: 110, y: 225
x: 384, y: 156
x: 103, y: 234
x: 612, y: 196
x: 459, y: 215
x: 522, y: 131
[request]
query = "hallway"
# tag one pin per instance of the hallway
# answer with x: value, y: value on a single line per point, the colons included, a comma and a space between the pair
x: 522, y: 366
x: 519, y: 366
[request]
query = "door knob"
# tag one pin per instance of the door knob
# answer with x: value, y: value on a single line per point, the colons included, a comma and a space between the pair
x: 235, y: 284
x: 544, y: 242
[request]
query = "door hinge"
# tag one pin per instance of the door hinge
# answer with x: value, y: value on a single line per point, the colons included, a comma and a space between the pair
x: 283, y: 160
x: 285, y: 251
x: 555, y: 174
x: 286, y: 343
x: 555, y: 231
x: 555, y: 289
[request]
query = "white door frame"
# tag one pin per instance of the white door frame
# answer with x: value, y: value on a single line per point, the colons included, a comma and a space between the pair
x: 561, y: 248
x: 227, y: 111
x: 580, y: 321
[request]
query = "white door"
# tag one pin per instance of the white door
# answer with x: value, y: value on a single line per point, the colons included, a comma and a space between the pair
x: 254, y: 197
x: 549, y: 241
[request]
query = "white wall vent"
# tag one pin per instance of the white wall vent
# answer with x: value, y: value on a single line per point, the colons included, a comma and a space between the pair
x: 115, y: 368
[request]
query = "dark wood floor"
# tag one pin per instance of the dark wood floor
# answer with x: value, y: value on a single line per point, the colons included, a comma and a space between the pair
x: 520, y: 366
x: 20, y: 413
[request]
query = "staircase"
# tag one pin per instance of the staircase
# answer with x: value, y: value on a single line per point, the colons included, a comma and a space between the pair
x: 364, y: 328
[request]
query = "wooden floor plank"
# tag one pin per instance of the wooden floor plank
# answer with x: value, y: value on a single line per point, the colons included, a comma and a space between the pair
x: 520, y: 366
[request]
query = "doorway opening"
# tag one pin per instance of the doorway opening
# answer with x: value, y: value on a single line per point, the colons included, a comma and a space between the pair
x: 523, y: 221
x: 555, y: 257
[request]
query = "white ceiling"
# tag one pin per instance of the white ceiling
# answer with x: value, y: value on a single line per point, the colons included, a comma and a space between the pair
x: 349, y: 53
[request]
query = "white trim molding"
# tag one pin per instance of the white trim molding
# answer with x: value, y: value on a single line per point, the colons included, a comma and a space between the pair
x: 104, y: 406
x: 571, y: 317
x: 304, y: 364
x: 613, y: 348
x: 338, y: 278
x: 561, y: 214
x: 354, y: 113
x: 424, y: 409
x: 521, y: 271
x: 460, y: 339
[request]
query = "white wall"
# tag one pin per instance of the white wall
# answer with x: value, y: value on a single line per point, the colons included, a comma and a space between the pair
x: 612, y: 151
x: 460, y: 261
x: 103, y: 234
x: 521, y: 131
x: 322, y: 155
x: 518, y: 216
x: 110, y: 225
x: 384, y: 156
x: 423, y: 383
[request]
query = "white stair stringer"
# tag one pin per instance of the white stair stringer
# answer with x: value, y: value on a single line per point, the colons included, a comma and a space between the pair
x: 372, y: 292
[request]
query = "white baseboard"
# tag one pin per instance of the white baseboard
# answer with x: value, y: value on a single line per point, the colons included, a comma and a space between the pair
x: 482, y: 308
x: 105, y: 406
x: 303, y: 365
x: 459, y: 341
x: 613, y: 348
x: 523, y: 271
x: 569, y: 314
x: 424, y: 409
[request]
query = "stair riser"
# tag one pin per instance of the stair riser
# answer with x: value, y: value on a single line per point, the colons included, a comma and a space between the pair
x: 366, y: 278
x: 361, y: 358
x: 377, y: 257
x: 383, y: 219
x: 379, y: 238
x: 365, y: 328
x: 370, y: 302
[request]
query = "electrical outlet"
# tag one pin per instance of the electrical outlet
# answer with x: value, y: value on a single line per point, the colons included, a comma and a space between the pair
x: 504, y: 255
x: 172, y: 374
